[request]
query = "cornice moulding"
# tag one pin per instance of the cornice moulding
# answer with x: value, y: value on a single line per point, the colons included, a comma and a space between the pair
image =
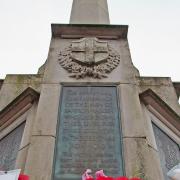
x: 149, y: 97
x: 83, y: 30
x: 17, y: 107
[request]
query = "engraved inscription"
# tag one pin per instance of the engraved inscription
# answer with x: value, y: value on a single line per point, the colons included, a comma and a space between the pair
x: 89, y: 132
x: 9, y: 147
x: 169, y: 151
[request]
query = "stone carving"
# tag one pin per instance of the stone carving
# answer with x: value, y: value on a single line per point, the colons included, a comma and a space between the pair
x: 89, y: 57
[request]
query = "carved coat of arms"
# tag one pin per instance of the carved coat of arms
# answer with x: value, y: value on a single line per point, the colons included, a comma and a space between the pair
x: 89, y: 57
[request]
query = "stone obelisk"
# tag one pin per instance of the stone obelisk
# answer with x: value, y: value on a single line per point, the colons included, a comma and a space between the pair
x: 89, y: 114
x: 89, y: 12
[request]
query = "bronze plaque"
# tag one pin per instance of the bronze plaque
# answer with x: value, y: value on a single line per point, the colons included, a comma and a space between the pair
x: 169, y: 151
x: 88, y: 133
x: 9, y: 147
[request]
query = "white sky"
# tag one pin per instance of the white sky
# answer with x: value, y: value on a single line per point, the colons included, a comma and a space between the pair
x: 154, y: 33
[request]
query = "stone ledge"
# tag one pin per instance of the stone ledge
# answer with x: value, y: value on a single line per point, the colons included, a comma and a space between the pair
x: 81, y: 30
x: 154, y: 81
x: 23, y: 78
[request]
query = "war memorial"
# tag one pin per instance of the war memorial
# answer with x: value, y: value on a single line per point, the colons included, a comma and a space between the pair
x: 88, y: 107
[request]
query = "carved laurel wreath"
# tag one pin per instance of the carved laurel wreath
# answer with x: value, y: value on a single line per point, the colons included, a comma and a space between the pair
x: 78, y: 70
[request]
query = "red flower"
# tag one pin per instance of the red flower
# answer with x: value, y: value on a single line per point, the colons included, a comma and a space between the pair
x: 23, y: 177
x: 135, y: 179
x: 90, y: 178
x: 104, y: 178
x: 121, y: 178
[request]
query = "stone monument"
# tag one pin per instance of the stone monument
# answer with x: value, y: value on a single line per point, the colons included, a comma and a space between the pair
x: 89, y: 131
x: 88, y: 107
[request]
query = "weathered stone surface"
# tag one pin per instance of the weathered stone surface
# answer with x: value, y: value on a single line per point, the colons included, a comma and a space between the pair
x: 89, y: 12
x: 102, y: 31
x: 21, y: 158
x: 47, y: 111
x: 148, y: 126
x: 131, y: 112
x: 29, y: 119
x: 141, y: 160
x: 39, y: 161
x: 125, y: 72
x: 164, y: 88
x: 37, y: 147
x: 14, y: 85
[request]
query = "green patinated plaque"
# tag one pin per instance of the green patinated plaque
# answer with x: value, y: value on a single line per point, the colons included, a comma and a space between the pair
x: 9, y: 146
x: 88, y: 132
x: 169, y: 150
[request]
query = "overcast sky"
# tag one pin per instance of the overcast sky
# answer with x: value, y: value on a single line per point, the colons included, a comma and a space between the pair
x: 154, y: 33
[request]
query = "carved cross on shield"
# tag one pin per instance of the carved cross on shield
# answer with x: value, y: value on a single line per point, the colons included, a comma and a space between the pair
x: 89, y: 51
x: 89, y: 57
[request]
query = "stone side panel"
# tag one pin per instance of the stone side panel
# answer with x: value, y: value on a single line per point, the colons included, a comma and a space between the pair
x: 141, y: 160
x: 163, y: 87
x: 14, y: 85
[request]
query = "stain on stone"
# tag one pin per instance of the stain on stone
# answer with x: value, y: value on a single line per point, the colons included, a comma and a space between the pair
x: 139, y: 169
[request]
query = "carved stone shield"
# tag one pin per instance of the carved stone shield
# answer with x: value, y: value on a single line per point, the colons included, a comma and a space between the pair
x: 89, y: 51
x: 89, y: 57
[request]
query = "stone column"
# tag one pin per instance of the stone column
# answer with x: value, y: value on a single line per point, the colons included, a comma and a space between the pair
x: 89, y: 12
